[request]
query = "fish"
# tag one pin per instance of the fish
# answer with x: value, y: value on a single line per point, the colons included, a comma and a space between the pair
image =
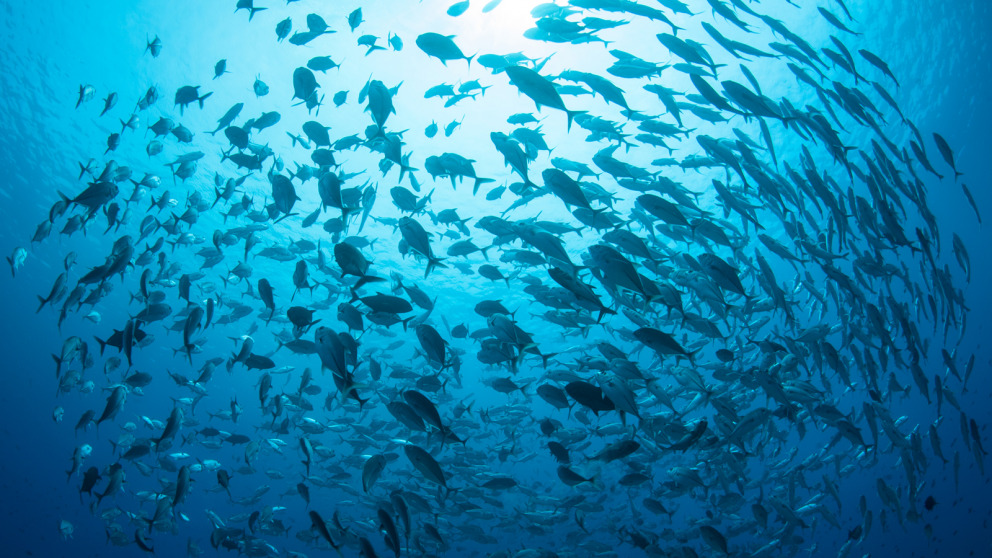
x: 834, y: 20
x: 248, y: 5
x: 442, y: 47
x: 874, y: 60
x: 65, y: 529
x: 714, y: 539
x: 946, y: 152
x: 425, y: 464
x: 220, y: 68
x: 571, y: 478
x: 971, y: 201
x: 317, y: 524
x: 16, y: 260
x: 154, y: 46
x: 109, y: 102
x: 355, y: 19
x: 539, y: 89
x: 86, y: 93
x: 661, y: 342
x: 371, y: 471
x: 189, y: 94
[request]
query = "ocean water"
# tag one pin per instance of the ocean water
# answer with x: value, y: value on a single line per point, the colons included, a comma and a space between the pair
x: 778, y: 465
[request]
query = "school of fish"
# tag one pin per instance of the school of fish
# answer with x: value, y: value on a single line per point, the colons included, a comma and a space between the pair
x: 684, y: 343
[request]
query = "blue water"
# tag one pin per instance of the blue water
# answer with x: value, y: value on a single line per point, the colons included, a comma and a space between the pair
x: 937, y: 50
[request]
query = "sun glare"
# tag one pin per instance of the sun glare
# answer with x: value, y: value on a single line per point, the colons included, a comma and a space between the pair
x: 503, y: 26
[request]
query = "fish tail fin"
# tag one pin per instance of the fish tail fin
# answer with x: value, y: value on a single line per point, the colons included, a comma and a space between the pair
x: 103, y: 344
x: 362, y: 281
x: 11, y: 262
x: 469, y: 60
x: 603, y: 311
x: 691, y: 355
x: 42, y: 302
x: 571, y: 116
x: 544, y: 360
x: 204, y: 98
x: 480, y: 182
x: 432, y: 262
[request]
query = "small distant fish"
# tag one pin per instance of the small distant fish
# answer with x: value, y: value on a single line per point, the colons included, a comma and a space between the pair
x: 16, y: 260
x: 355, y: 19
x: 521, y: 118
x: 150, y: 98
x: 442, y: 47
x: 450, y: 127
x: 189, y: 94
x: 369, y: 41
x: 154, y: 46
x: 971, y: 201
x: 113, y: 142
x: 259, y: 87
x: 220, y: 68
x: 321, y: 63
x: 946, y: 152
x: 283, y: 28
x: 65, y: 529
x: 395, y: 41
x: 458, y: 8
x: 539, y: 89
x: 109, y: 103
x: 85, y: 94
x: 830, y: 17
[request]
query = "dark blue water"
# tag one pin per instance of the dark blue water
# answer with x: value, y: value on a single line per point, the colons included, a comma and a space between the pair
x: 937, y: 50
